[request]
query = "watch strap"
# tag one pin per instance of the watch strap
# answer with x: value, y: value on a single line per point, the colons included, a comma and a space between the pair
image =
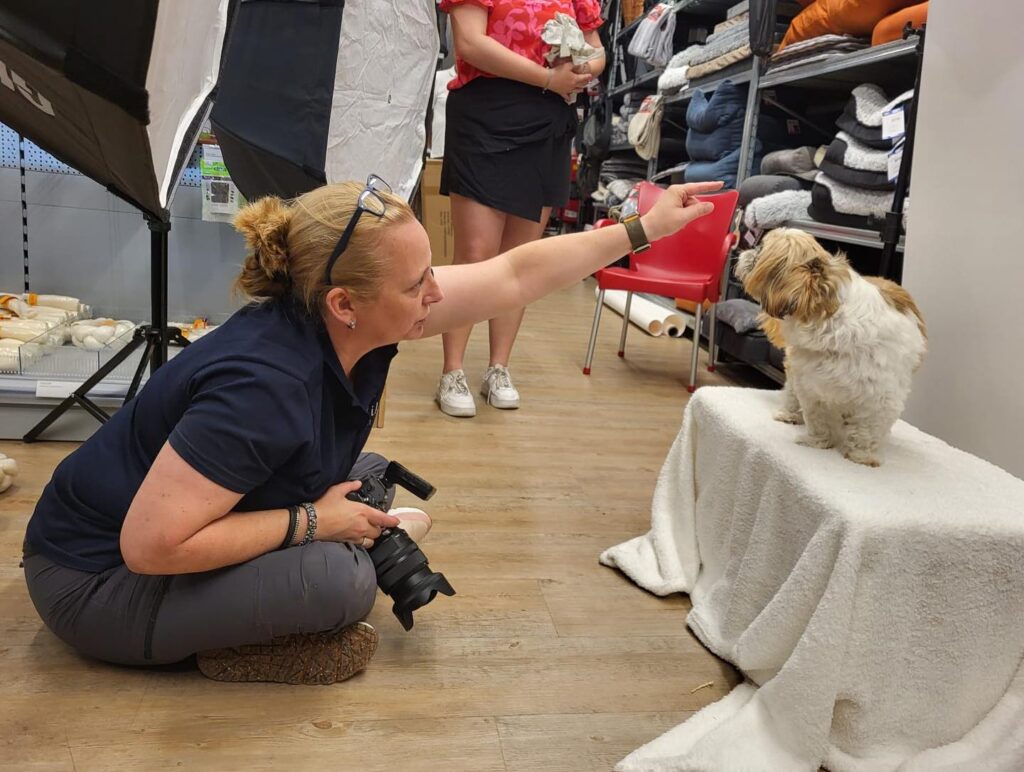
x: 637, y: 237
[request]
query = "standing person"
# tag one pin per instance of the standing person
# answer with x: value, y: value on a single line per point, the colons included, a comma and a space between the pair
x: 509, y: 128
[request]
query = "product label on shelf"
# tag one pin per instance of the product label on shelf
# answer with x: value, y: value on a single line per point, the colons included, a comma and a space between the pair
x: 55, y: 389
x: 221, y: 199
x: 893, y: 124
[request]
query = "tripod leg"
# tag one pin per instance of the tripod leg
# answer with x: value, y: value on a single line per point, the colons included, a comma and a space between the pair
x: 133, y: 388
x: 80, y: 395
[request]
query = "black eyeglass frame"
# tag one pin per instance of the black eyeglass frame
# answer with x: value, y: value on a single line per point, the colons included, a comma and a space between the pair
x: 374, y: 187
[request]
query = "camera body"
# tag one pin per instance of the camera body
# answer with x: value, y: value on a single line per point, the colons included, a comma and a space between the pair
x: 403, y: 571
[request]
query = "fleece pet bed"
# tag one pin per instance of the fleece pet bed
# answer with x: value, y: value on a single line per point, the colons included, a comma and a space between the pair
x: 862, y: 118
x: 777, y: 209
x: 876, y: 613
x: 839, y: 204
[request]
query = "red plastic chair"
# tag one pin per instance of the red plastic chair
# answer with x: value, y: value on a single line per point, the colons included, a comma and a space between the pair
x: 687, y: 265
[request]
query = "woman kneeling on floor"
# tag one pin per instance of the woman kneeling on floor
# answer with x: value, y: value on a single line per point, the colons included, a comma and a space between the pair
x: 209, y: 516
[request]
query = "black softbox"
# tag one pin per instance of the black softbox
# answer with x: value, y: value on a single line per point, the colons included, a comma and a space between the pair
x: 318, y: 91
x: 116, y: 89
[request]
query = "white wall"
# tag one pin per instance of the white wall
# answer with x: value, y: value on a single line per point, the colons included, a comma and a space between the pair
x: 965, y: 241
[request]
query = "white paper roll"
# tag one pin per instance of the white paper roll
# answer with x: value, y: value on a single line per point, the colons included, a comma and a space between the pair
x: 652, y: 318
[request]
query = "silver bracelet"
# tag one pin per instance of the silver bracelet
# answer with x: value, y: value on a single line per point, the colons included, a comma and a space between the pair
x: 310, y: 523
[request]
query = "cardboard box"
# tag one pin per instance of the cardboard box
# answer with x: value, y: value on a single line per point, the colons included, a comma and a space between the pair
x: 437, y: 214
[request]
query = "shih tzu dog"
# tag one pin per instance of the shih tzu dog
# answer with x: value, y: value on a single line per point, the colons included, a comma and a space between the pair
x: 852, y: 342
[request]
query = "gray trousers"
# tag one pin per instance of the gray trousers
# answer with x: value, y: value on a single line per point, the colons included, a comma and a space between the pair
x: 134, y: 619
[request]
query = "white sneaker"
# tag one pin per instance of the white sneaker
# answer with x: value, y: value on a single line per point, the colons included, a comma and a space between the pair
x: 498, y: 388
x: 453, y: 395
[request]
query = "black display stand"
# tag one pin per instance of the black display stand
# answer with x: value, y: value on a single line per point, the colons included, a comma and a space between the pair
x: 154, y: 337
x: 891, y: 265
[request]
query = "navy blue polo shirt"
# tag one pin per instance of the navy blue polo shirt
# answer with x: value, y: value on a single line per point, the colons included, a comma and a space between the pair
x: 260, y: 406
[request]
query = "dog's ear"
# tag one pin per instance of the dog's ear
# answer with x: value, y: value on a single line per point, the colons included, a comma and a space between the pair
x: 778, y: 301
x: 816, y: 291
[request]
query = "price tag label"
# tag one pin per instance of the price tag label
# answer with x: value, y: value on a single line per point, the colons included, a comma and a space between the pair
x: 894, y: 160
x: 55, y: 389
x: 892, y: 123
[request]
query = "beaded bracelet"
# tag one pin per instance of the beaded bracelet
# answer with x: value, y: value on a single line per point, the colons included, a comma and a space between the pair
x: 310, y: 523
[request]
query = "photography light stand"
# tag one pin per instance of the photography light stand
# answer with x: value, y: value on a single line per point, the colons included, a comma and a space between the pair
x: 153, y: 338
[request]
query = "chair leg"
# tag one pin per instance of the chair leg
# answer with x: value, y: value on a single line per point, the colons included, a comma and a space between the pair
x: 712, y: 347
x: 696, y: 348
x: 625, y: 325
x: 593, y: 332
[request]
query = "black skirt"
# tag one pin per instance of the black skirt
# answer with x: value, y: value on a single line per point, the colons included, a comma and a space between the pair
x: 508, y: 146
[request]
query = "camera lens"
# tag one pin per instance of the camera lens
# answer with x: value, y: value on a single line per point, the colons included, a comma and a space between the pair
x: 403, y: 573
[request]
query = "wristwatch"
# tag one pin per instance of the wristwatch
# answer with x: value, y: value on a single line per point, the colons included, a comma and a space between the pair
x: 637, y: 237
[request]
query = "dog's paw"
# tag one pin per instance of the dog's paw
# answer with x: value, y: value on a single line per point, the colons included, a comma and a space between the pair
x: 821, y: 443
x: 862, y: 457
x: 787, y: 417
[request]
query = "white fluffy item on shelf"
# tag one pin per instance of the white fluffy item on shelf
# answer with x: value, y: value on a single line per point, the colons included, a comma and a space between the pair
x: 650, y: 317
x: 8, y: 471
x: 96, y: 334
x: 38, y: 330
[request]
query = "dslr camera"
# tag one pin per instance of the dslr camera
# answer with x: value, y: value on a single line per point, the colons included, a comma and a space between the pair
x: 403, y: 571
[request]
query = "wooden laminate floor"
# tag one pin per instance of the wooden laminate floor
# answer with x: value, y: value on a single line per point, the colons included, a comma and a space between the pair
x: 545, y: 660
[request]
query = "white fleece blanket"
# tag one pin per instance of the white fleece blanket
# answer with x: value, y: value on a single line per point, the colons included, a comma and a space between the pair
x: 878, y: 614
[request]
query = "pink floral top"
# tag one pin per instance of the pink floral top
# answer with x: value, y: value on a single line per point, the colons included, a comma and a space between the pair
x: 517, y: 25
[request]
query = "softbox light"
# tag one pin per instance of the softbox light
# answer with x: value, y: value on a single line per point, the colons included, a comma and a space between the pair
x: 117, y: 90
x: 318, y: 91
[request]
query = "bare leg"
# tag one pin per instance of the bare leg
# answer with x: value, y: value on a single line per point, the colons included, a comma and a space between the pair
x: 478, y: 236
x: 504, y: 328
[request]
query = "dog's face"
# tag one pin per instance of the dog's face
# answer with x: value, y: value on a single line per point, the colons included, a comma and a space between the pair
x: 792, y: 276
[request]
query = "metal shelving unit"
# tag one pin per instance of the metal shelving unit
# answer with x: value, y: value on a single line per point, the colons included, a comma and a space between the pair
x: 643, y: 80
x: 846, y: 69
x: 842, y: 234
x: 741, y: 76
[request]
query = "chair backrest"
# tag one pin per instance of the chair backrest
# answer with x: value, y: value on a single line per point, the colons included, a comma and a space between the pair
x: 699, y: 247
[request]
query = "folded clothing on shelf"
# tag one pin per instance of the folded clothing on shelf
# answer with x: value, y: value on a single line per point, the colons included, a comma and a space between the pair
x: 725, y: 41
x: 814, y: 50
x: 719, y: 63
x: 853, y: 163
x: 862, y: 118
x: 777, y: 209
x: 652, y: 40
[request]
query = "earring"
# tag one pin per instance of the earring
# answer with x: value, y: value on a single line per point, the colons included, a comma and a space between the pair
x: 351, y: 324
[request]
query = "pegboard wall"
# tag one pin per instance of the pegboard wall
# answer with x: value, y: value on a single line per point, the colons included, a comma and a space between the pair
x: 38, y: 160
